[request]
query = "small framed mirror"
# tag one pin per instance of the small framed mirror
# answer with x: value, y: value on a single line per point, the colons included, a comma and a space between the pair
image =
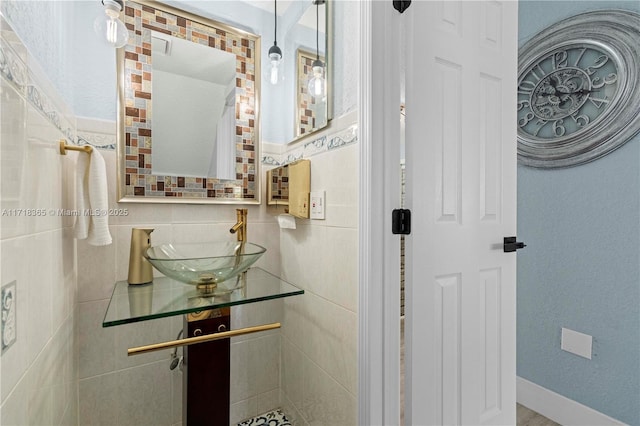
x: 188, y: 109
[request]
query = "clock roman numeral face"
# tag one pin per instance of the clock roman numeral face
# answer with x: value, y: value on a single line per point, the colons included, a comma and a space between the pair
x: 566, y: 91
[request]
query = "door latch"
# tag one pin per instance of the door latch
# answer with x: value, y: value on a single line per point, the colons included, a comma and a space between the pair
x: 401, y: 221
x: 510, y: 244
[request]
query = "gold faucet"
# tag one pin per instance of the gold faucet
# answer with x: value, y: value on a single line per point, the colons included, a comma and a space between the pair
x: 240, y: 228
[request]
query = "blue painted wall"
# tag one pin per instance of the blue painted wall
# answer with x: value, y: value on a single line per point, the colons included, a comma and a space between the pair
x: 581, y: 268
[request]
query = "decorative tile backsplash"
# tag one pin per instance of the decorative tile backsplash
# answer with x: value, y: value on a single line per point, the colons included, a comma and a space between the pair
x: 313, y: 147
x: 138, y: 113
x: 98, y: 140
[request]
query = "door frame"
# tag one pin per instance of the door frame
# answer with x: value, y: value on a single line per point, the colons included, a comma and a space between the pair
x: 379, y: 250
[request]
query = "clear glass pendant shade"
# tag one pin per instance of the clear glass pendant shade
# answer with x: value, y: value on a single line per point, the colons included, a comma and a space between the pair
x: 275, y: 57
x: 275, y: 53
x: 109, y: 27
x: 317, y: 84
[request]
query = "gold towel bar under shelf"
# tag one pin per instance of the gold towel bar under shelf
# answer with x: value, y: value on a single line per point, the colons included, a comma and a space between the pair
x: 64, y: 148
x: 201, y: 339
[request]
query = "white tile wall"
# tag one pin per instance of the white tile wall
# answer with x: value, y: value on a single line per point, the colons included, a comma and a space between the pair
x: 319, y: 340
x: 38, y: 373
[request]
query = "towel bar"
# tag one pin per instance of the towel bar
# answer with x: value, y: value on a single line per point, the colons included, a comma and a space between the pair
x: 201, y: 339
x: 64, y: 147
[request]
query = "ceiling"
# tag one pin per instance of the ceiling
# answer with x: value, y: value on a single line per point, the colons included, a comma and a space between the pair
x: 308, y: 19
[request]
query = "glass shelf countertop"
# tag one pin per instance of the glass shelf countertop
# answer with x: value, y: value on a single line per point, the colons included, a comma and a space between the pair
x: 166, y: 297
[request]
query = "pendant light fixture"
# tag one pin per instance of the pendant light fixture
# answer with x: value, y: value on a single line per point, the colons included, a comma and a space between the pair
x: 317, y: 84
x: 275, y: 54
x: 109, y: 27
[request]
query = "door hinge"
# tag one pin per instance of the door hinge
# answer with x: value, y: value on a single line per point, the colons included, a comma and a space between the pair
x: 401, y: 221
x: 401, y: 5
x: 510, y: 244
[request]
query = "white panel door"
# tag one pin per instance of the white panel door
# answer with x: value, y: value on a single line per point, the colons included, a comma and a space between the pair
x: 461, y: 188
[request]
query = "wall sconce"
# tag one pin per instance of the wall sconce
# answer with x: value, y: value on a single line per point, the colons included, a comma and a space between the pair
x: 317, y: 84
x: 275, y: 54
x: 109, y: 27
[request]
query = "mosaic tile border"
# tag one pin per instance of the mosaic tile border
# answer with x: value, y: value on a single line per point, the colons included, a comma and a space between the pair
x: 140, y: 19
x: 272, y: 418
x: 313, y: 147
x: 17, y: 72
x: 103, y: 141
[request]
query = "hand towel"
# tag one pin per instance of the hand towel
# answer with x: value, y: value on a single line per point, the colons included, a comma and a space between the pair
x: 92, y: 196
x: 81, y: 226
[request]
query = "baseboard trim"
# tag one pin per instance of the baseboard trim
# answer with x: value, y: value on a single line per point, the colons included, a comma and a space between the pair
x: 558, y: 408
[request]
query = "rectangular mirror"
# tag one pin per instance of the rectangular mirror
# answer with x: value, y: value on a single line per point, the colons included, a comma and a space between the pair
x: 289, y: 113
x: 195, y: 85
x: 311, y: 69
x: 188, y: 109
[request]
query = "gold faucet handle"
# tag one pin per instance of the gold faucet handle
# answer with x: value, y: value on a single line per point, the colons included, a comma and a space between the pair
x: 240, y: 228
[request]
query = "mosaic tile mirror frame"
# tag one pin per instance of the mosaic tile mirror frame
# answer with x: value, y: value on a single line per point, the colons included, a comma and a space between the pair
x: 311, y: 114
x: 136, y: 181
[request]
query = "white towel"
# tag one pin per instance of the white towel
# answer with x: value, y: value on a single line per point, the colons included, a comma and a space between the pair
x: 92, y: 196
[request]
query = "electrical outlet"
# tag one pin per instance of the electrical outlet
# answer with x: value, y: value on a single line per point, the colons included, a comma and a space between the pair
x: 577, y: 343
x: 317, y: 205
x: 9, y: 316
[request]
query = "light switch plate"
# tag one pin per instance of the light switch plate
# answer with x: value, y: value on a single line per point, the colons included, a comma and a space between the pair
x: 9, y: 315
x: 577, y: 343
x: 317, y: 204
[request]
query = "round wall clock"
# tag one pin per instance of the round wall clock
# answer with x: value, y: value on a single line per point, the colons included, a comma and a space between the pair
x: 579, y: 89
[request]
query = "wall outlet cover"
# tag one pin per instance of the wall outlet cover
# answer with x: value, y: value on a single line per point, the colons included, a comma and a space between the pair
x: 317, y: 204
x: 9, y: 315
x: 577, y: 343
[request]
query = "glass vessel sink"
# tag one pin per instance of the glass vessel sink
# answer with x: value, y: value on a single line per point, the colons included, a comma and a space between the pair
x: 214, y: 268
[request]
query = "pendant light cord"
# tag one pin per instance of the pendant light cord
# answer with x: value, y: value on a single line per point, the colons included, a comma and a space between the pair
x: 275, y: 26
x: 317, y: 31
